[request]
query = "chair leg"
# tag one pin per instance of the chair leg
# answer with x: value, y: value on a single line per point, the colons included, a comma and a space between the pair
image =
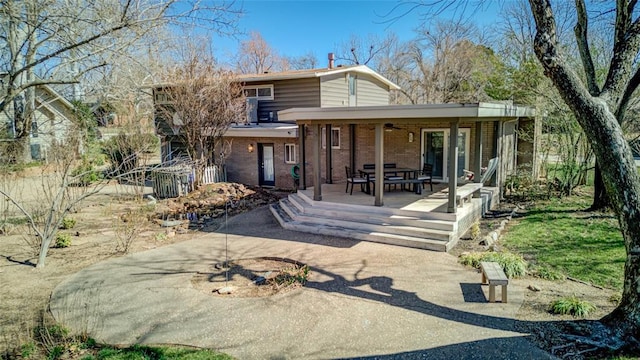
x: 347, y: 189
x: 351, y: 193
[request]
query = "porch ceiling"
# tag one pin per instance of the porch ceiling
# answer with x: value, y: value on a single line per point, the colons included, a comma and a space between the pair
x: 407, y: 113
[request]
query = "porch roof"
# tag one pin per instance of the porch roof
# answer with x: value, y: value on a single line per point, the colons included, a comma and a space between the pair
x: 463, y: 111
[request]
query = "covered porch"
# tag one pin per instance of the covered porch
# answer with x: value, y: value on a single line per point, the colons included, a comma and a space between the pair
x: 451, y: 137
x: 489, y: 131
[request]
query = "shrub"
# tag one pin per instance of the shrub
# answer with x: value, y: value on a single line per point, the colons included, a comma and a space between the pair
x: 572, y: 306
x: 63, y: 240
x: 512, y: 264
x: 68, y: 223
x: 86, y: 174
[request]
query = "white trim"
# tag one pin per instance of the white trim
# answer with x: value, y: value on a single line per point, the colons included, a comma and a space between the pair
x: 476, y: 111
x: 293, y: 153
x: 257, y: 89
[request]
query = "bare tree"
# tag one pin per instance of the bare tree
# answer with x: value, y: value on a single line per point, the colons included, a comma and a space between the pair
x: 59, y: 42
x: 62, y: 186
x: 302, y: 62
x: 255, y: 56
x: 364, y: 51
x: 203, y: 101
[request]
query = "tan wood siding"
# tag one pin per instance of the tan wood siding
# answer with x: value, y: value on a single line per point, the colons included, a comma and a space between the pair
x: 334, y: 90
x: 288, y: 94
x: 370, y: 91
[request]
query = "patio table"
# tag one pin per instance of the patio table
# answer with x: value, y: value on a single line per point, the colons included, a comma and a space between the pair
x: 407, y: 175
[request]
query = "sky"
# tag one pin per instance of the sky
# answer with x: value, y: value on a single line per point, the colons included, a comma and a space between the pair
x: 297, y: 27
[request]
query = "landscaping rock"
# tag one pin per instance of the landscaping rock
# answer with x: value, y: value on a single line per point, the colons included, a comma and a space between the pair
x: 226, y: 290
x: 534, y: 287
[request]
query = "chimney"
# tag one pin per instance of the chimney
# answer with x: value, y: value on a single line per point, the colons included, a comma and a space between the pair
x: 331, y: 59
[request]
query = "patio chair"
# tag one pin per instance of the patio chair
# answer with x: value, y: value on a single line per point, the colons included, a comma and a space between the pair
x: 352, y: 179
x: 426, y: 175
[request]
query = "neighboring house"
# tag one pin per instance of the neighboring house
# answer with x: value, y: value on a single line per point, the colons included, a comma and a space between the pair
x: 264, y: 149
x: 54, y: 116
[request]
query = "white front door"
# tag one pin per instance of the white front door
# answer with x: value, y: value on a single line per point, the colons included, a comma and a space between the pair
x: 435, y: 151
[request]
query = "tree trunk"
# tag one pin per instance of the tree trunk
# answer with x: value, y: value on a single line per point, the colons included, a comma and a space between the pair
x: 600, y: 198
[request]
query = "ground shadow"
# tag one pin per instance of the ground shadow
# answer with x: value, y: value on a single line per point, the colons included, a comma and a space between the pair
x: 472, y: 293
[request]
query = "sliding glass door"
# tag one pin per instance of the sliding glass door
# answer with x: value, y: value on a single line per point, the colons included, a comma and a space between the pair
x: 435, y: 151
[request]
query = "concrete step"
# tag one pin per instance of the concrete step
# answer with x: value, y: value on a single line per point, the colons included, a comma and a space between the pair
x: 290, y: 223
x: 367, y: 224
x: 361, y: 215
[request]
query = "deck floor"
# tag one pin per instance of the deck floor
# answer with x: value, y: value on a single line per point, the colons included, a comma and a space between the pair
x: 428, y: 201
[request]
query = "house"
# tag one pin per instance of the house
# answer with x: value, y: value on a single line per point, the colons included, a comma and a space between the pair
x: 314, y: 124
x: 264, y: 149
x: 54, y: 116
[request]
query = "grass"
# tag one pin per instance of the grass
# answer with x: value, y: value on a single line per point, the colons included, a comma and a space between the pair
x: 138, y: 352
x: 512, y: 264
x: 572, y: 306
x: 556, y: 235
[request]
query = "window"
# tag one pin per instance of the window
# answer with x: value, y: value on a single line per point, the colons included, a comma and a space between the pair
x: 290, y: 154
x: 335, y: 138
x: 34, y: 129
x: 260, y: 92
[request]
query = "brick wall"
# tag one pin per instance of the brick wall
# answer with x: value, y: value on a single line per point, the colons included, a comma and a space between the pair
x: 242, y: 165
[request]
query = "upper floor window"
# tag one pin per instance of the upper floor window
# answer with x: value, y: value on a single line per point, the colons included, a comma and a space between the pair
x: 260, y: 92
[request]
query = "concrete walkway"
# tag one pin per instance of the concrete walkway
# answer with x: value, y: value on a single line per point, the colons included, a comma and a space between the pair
x: 362, y: 300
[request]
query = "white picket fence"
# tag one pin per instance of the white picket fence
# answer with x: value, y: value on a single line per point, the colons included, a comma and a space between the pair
x: 212, y: 174
x: 178, y: 181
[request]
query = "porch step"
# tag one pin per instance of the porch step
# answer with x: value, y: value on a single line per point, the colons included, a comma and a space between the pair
x: 287, y: 222
x: 429, y: 229
x: 361, y: 215
x: 301, y: 198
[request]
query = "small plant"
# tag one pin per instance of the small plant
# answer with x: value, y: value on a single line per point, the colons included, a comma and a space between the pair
x: 63, y: 240
x: 28, y: 349
x: 544, y: 272
x: 512, y: 264
x: 291, y: 276
x: 572, y: 306
x: 68, y: 223
x: 475, y: 231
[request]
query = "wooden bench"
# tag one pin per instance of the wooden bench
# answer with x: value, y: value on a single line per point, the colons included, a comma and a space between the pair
x: 465, y: 192
x: 493, y: 275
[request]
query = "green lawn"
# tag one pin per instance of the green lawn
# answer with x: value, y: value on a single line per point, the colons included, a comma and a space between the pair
x: 559, y: 235
x: 157, y: 353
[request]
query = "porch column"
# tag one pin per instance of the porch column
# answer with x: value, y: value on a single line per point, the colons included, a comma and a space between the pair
x: 303, y: 156
x: 453, y: 165
x: 317, y: 178
x: 478, y: 152
x: 327, y: 141
x: 352, y: 146
x: 379, y: 161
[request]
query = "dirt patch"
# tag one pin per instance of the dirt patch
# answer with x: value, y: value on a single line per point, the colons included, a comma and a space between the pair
x: 99, y: 225
x: 257, y: 277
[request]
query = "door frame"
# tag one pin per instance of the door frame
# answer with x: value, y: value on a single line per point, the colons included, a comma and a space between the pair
x: 445, y: 151
x: 261, y: 172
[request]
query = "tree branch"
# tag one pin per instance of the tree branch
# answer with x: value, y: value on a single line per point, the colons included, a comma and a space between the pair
x: 583, y: 46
